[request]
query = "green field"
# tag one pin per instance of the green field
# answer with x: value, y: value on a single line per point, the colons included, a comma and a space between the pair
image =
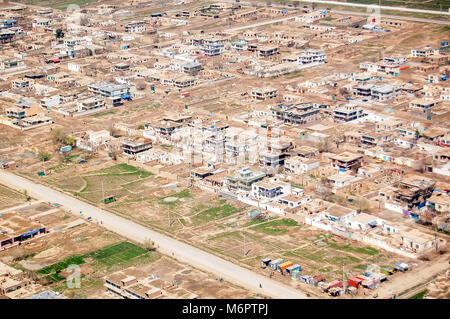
x: 214, y: 213
x: 120, y: 254
x: 420, y: 295
x: 275, y: 227
x: 118, y: 180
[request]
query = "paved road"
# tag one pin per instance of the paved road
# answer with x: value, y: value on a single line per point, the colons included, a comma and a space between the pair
x: 260, y: 24
x: 181, y: 251
x: 415, y: 19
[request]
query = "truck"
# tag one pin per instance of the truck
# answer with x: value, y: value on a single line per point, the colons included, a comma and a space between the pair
x: 401, y: 266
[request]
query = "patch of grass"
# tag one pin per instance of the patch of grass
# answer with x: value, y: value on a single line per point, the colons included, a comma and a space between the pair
x: 106, y: 257
x: 360, y: 250
x: 420, y: 295
x: 100, y: 114
x: 275, y: 227
x: 214, y: 213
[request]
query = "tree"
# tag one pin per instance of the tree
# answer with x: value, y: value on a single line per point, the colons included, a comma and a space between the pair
x: 70, y: 140
x: 323, y: 146
x: 344, y: 91
x: 44, y: 156
x: 149, y: 244
x: 363, y: 205
x: 58, y: 136
x: 59, y: 34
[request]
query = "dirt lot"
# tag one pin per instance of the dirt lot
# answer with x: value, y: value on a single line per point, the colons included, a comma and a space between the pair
x: 98, y: 252
x: 219, y: 225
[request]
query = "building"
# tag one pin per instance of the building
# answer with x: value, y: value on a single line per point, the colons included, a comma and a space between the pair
x: 262, y: 94
x: 15, y: 229
x: 308, y: 56
x: 135, y: 27
x: 299, y: 165
x: 267, y: 189
x: 243, y: 179
x: 337, y: 213
x: 346, y: 161
x: 213, y: 48
x: 90, y: 103
x: 192, y: 68
x: 348, y: 113
x: 440, y: 204
x: 91, y: 140
x: 424, y: 52
x: 295, y: 113
x: 417, y: 241
x: 414, y: 190
x: 108, y: 89
x: 132, y: 283
x: 136, y: 145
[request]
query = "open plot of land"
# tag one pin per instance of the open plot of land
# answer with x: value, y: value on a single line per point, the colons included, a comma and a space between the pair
x: 10, y: 198
x: 124, y: 253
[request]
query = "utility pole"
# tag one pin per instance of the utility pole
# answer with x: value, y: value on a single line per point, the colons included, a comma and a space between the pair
x: 343, y: 280
x: 436, y: 241
x: 245, y: 251
x: 103, y: 193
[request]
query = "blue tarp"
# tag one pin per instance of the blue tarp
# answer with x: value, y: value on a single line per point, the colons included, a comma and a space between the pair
x: 422, y: 204
x: 31, y: 232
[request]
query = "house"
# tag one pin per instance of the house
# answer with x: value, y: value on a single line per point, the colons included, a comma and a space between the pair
x: 243, y: 179
x: 295, y: 113
x: 270, y: 189
x: 151, y: 155
x: 90, y: 103
x: 262, y: 94
x: 299, y: 165
x: 213, y: 48
x: 293, y: 201
x: 417, y: 241
x: 363, y: 222
x: 192, y: 68
x: 439, y: 203
x: 308, y: 56
x: 165, y: 127
x: 91, y: 140
x: 22, y: 83
x: 423, y: 104
x: 108, y: 89
x: 346, y: 161
x: 348, y: 113
x: 16, y: 229
x: 341, y: 180
x: 424, y: 52
x: 11, y: 280
x: 337, y: 213
x: 135, y: 27
x: 414, y: 190
x: 136, y: 145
